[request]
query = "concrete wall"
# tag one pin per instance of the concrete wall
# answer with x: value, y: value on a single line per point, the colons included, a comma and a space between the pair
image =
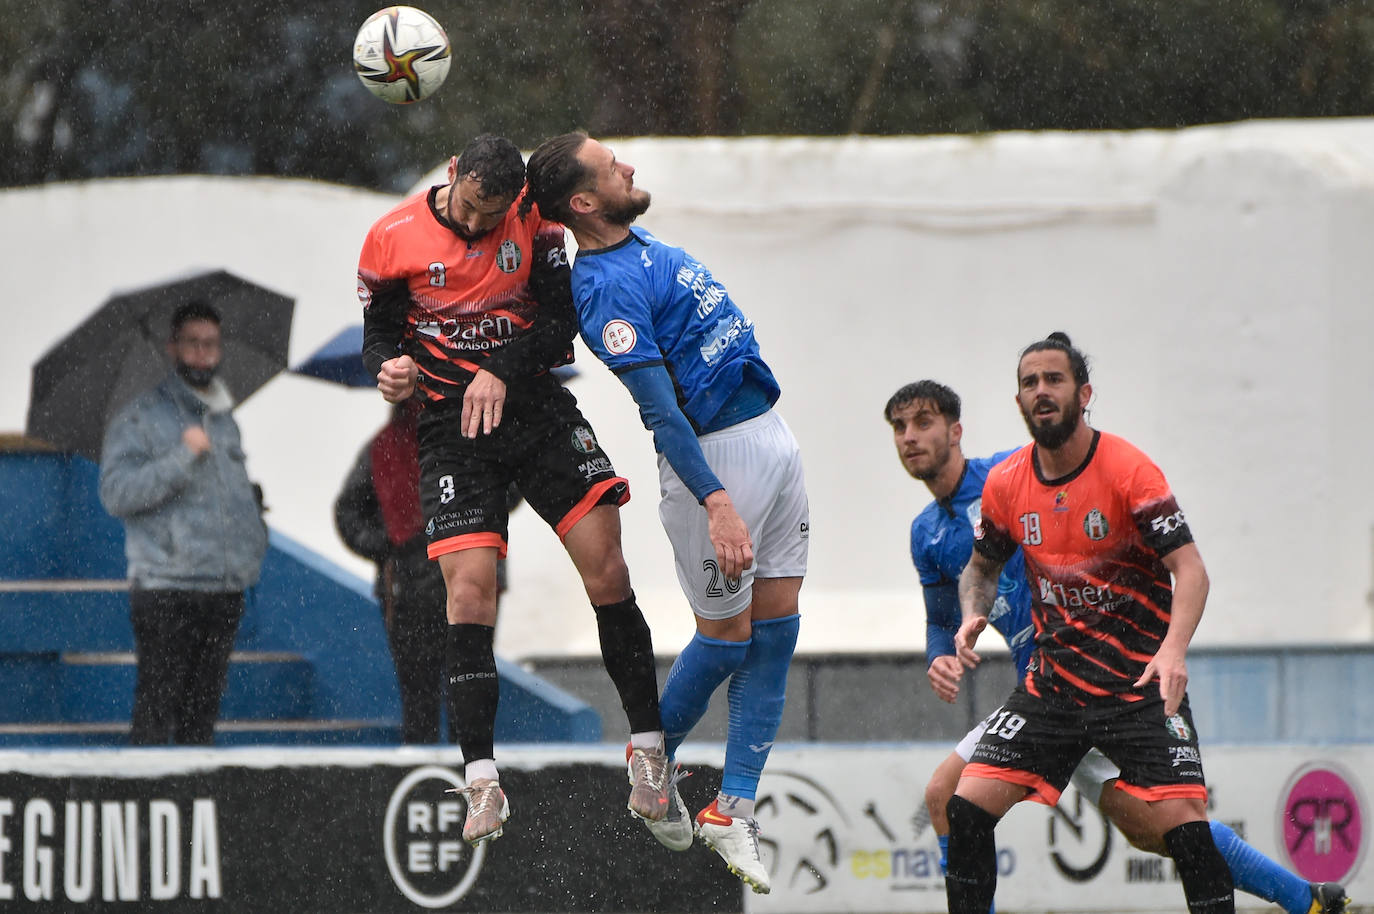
x: 1218, y: 277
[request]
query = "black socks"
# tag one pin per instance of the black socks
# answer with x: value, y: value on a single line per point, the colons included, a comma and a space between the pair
x: 627, y: 650
x: 1201, y: 868
x: 473, y: 688
x: 971, y: 877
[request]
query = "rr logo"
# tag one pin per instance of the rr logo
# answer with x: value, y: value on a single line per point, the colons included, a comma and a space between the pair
x: 1323, y: 823
x: 1319, y: 819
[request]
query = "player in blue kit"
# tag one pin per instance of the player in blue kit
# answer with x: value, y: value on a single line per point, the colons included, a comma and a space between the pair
x: 927, y: 432
x: 734, y: 497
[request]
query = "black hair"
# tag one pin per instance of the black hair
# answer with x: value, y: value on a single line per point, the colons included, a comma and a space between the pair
x: 1060, y: 342
x: 554, y: 175
x: 946, y: 401
x: 494, y: 162
x: 193, y: 310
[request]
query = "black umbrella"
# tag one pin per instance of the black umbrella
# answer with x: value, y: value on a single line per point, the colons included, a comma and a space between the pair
x: 120, y: 351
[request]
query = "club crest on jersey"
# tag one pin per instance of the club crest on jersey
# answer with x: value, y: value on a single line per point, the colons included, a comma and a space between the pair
x: 583, y: 439
x: 508, y: 257
x: 1178, y: 728
x: 1095, y: 525
x: 618, y: 337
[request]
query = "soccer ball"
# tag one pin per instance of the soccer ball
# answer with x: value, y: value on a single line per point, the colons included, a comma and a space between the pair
x: 401, y: 54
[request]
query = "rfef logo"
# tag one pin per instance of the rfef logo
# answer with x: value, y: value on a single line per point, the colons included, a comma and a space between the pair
x: 1322, y: 825
x: 423, y: 839
x: 618, y: 337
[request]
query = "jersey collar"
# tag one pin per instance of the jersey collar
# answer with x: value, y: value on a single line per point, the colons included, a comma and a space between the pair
x: 632, y: 237
x: 1068, y: 477
x: 947, y: 503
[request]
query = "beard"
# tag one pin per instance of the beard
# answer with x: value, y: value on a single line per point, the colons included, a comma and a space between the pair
x: 198, y: 378
x: 925, y: 475
x: 1054, y: 434
x: 935, y: 466
x: 465, y: 234
x: 629, y: 211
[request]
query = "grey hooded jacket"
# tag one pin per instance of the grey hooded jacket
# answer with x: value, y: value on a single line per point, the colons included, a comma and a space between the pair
x: 190, y: 523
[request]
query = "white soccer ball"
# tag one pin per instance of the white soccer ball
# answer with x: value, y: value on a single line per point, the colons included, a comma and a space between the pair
x: 401, y: 54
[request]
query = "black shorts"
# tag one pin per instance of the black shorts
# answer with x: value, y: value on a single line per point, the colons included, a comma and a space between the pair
x: 1037, y: 744
x: 543, y: 445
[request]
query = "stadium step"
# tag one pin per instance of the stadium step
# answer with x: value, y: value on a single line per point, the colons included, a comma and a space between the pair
x: 99, y: 686
x: 227, y: 733
x: 44, y: 615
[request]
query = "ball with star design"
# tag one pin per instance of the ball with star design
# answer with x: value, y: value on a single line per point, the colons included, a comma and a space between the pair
x: 402, y: 54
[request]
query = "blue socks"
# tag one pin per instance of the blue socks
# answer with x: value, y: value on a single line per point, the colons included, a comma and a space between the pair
x: 758, y: 690
x: 1256, y: 874
x: 757, y: 670
x: 702, y: 666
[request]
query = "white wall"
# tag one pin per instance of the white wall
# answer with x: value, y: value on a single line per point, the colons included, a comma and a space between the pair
x: 1217, y: 277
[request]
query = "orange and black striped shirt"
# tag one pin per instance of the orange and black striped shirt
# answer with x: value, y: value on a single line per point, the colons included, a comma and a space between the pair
x: 500, y: 303
x: 1093, y: 543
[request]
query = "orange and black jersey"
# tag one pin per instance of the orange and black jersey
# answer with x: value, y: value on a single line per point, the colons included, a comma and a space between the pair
x: 501, y: 303
x: 1093, y: 543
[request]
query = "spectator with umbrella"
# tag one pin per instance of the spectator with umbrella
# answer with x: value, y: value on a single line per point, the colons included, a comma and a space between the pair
x: 172, y: 468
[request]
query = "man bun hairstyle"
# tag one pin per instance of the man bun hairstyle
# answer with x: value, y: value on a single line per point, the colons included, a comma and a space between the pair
x: 495, y: 163
x: 1059, y: 342
x: 946, y: 400
x: 554, y: 175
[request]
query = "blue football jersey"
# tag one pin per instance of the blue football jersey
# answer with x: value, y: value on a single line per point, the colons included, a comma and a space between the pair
x: 941, y: 543
x: 643, y: 302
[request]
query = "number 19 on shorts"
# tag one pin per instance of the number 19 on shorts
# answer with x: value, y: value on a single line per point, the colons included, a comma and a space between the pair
x: 1005, y: 724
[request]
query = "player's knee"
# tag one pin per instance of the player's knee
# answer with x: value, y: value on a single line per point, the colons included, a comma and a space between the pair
x: 936, y: 798
x: 471, y: 601
x: 1142, y: 824
x: 607, y: 581
x: 1145, y: 840
x: 601, y: 565
x: 969, y: 818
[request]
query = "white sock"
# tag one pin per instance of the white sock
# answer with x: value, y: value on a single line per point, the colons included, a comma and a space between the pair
x: 735, y: 807
x: 481, y: 768
x: 649, y: 739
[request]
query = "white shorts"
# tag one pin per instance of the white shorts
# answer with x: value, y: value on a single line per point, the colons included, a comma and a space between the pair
x: 965, y: 748
x: 1091, y: 775
x: 760, y: 465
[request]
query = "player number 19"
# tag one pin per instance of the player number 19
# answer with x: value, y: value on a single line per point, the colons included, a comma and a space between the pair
x: 1030, y: 529
x: 1006, y: 724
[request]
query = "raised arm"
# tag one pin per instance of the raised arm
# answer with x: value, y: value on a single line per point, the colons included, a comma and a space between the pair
x: 136, y: 477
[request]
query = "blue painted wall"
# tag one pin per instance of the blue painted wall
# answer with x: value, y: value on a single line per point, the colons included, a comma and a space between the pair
x: 53, y: 528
